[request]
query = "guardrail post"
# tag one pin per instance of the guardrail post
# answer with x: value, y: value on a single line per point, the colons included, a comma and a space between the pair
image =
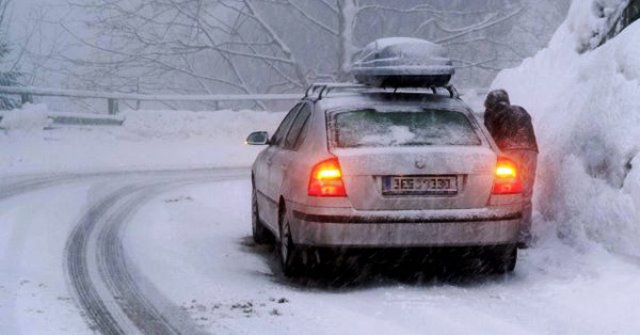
x: 26, y: 98
x: 113, y: 106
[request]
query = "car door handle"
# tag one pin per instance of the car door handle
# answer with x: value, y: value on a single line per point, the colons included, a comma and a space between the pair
x: 269, y: 161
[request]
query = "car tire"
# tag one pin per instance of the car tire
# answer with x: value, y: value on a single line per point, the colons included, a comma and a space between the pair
x: 502, y: 259
x: 260, y: 234
x: 290, y: 258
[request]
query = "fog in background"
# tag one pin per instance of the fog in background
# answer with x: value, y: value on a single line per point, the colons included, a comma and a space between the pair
x: 256, y: 46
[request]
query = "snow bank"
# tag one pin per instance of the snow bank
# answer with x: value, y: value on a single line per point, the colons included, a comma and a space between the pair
x: 586, y: 113
x: 30, y: 117
x: 147, y: 140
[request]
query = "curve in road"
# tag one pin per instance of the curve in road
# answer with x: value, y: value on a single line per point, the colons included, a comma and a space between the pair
x: 114, y: 296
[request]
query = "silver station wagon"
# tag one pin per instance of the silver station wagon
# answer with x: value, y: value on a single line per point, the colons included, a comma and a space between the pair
x: 355, y: 166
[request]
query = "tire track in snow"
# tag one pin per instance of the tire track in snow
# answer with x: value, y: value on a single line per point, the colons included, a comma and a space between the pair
x: 33, y: 183
x: 116, y: 298
x: 119, y: 276
x: 11, y: 186
x: 76, y: 264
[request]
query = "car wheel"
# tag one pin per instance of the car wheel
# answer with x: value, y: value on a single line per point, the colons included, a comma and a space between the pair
x: 260, y: 233
x: 289, y: 254
x: 502, y: 259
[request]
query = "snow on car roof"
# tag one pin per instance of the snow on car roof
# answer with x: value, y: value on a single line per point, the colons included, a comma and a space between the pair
x: 403, y: 61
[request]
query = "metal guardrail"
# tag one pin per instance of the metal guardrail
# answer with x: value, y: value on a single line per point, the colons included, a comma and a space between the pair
x: 27, y: 93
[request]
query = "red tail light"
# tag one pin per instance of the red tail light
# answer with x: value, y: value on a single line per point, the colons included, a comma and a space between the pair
x: 326, y: 179
x: 507, y: 178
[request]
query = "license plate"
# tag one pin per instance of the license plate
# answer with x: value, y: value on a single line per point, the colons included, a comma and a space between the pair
x: 436, y: 185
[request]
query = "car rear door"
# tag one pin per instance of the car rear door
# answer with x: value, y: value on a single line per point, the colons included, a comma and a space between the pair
x: 268, y: 200
x: 285, y: 153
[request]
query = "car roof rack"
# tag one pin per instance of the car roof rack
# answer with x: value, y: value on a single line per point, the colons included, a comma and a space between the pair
x: 317, y: 91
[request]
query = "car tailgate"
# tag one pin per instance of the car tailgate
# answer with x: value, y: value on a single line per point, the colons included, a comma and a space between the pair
x: 369, y: 175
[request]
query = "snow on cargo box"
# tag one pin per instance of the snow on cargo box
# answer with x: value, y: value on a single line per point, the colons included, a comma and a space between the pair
x: 403, y: 62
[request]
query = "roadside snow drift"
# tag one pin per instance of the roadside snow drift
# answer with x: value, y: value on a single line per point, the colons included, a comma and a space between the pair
x: 29, y: 118
x: 147, y: 140
x: 586, y: 111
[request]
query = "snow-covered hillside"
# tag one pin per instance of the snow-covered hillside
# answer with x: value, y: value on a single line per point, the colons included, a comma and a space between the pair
x: 587, y: 116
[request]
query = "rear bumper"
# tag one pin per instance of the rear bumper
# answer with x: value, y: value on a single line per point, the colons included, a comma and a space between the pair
x: 346, y: 227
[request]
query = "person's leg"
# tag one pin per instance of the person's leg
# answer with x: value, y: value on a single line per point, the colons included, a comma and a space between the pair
x: 524, y: 236
x: 529, y: 166
x: 526, y: 161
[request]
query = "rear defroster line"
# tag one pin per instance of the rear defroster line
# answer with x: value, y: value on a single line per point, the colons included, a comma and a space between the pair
x: 115, y: 296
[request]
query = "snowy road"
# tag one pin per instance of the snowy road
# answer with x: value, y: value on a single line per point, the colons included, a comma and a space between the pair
x: 169, y: 252
x: 110, y: 293
x: 98, y: 236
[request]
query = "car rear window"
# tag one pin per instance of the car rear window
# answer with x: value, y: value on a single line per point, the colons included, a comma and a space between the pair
x: 403, y: 127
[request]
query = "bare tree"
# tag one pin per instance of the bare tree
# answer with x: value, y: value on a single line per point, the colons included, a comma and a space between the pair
x: 9, y: 71
x: 246, y: 46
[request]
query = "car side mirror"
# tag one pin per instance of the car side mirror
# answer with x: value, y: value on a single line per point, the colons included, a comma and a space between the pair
x: 258, y: 138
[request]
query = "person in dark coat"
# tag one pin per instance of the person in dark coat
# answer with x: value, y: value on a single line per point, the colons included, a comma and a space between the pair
x: 512, y: 130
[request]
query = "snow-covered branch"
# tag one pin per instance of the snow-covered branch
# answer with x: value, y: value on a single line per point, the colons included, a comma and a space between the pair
x: 253, y: 46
